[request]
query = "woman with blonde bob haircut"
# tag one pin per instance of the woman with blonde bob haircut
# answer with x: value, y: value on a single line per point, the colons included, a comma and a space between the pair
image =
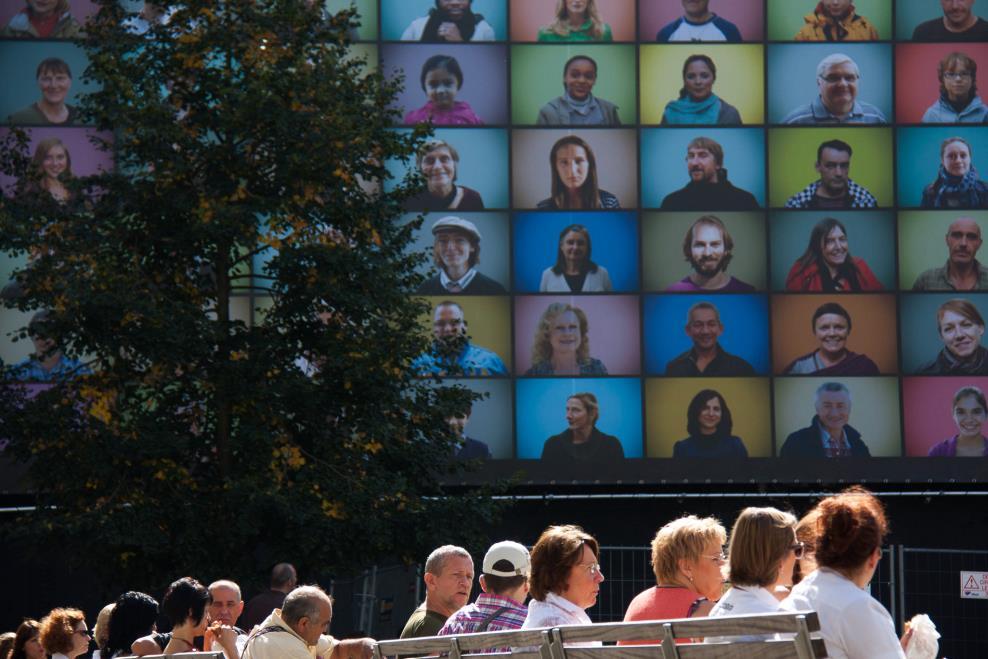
x: 576, y: 20
x: 561, y: 345
x: 687, y: 558
x: 565, y: 578
x: 763, y: 552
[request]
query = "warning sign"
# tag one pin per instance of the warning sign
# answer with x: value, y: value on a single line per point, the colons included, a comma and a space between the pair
x: 974, y: 585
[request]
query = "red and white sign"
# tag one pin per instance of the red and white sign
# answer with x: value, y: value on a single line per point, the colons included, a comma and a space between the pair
x: 974, y: 585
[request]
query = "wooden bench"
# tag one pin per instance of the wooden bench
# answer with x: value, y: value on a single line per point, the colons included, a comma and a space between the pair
x: 551, y: 642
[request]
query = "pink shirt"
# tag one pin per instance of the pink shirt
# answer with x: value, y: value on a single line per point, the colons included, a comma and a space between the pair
x: 461, y: 114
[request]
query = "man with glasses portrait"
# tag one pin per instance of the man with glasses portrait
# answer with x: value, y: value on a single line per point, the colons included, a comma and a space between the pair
x: 837, y: 77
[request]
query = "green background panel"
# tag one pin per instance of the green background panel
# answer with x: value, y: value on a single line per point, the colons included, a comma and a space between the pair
x: 922, y: 242
x: 792, y: 155
x: 874, y: 410
x: 740, y: 78
x: 368, y: 15
x: 488, y: 322
x: 668, y: 399
x: 662, y: 247
x: 785, y: 17
x: 537, y: 77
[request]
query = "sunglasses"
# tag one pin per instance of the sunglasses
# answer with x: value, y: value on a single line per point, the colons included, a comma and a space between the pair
x: 798, y: 549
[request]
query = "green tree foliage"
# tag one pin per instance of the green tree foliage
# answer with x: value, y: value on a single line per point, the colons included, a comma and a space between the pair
x: 240, y: 128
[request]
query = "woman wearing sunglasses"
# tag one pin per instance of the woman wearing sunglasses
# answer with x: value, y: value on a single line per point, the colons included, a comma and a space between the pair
x: 64, y: 634
x: 763, y: 552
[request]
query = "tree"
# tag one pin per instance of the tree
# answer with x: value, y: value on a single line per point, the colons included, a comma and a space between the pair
x: 242, y: 130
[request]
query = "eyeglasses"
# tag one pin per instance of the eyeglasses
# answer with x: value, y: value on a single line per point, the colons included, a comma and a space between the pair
x: 951, y: 75
x: 834, y: 78
x: 592, y: 568
x: 717, y: 558
x: 798, y: 549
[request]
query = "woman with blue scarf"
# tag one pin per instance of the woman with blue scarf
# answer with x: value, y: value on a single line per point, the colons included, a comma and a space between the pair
x: 697, y: 102
x: 957, y: 184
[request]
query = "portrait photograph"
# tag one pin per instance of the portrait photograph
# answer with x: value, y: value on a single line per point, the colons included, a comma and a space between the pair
x: 852, y: 251
x: 541, y: 414
x: 596, y: 252
x: 449, y: 84
x: 748, y: 16
x: 943, y: 333
x: 665, y: 170
x: 743, y: 331
x: 464, y: 169
x: 58, y: 155
x: 792, y: 158
x: 834, y: 335
x: 596, y: 166
x: 871, y: 418
x: 18, y: 19
x: 589, y: 335
x: 940, y: 167
x: 937, y: 83
x: 934, y: 240
x: 702, y: 84
x: 664, y: 235
x: 923, y: 21
x: 489, y: 420
x: 814, y: 84
x: 460, y: 242
x: 800, y: 20
x: 430, y: 21
x: 945, y: 417
x: 731, y: 418
x: 552, y: 85
x: 552, y: 21
x: 488, y: 326
x: 43, y: 82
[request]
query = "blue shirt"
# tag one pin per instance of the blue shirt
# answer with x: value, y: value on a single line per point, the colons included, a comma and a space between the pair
x: 817, y: 113
x: 473, y: 360
x: 30, y: 370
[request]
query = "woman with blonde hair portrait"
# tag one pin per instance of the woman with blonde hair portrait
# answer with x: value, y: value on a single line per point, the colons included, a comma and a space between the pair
x: 697, y: 102
x: 581, y: 442
x: 576, y: 20
x: 959, y: 102
x: 575, y: 271
x: 49, y: 172
x: 961, y: 327
x: 561, y: 345
x: 688, y: 561
x: 573, y: 168
x: 43, y: 19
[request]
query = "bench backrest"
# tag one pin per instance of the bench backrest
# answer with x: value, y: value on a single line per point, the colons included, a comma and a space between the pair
x: 551, y: 643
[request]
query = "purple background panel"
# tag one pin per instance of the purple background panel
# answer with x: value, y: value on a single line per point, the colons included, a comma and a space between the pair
x: 86, y: 158
x: 485, y: 71
x: 81, y: 9
x: 613, y: 329
x: 927, y: 409
x: 748, y: 15
x: 615, y: 150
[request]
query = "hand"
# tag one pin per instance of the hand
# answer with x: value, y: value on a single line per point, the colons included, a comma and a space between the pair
x: 904, y: 641
x: 450, y: 32
x: 357, y: 648
x: 224, y: 635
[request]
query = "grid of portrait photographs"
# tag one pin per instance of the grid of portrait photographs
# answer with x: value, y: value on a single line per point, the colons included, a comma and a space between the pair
x: 667, y: 235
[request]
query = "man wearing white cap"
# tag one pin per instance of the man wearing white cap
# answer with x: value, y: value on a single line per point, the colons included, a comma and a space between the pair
x: 501, y: 606
x: 456, y: 252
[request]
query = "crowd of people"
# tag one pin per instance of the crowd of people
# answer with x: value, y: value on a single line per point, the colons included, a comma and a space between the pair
x: 773, y: 562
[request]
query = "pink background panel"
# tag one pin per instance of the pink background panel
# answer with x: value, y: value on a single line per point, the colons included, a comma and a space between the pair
x: 527, y: 16
x: 917, y: 87
x: 928, y: 412
x: 81, y: 9
x: 748, y: 15
x: 612, y: 329
x: 86, y: 158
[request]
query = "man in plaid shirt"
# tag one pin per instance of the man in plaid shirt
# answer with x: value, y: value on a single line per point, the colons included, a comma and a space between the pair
x: 834, y: 189
x: 501, y: 607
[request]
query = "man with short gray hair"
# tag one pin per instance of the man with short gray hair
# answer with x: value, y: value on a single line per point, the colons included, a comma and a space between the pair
x: 299, y: 629
x: 829, y: 435
x: 837, y: 77
x: 448, y: 581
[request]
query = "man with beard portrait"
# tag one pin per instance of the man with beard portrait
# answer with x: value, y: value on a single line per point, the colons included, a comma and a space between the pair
x: 707, y: 247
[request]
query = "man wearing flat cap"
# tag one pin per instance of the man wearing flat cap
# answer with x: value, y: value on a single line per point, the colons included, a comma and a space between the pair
x: 501, y: 605
x: 456, y: 252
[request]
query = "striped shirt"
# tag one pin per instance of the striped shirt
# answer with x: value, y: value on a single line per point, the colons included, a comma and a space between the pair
x: 468, y: 619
